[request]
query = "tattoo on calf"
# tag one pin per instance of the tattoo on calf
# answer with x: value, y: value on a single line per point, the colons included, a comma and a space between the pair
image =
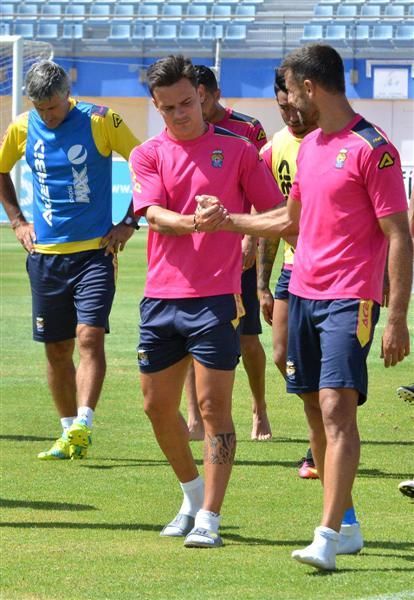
x: 220, y: 448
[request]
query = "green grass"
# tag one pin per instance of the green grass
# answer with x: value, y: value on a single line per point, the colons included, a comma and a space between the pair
x: 89, y: 529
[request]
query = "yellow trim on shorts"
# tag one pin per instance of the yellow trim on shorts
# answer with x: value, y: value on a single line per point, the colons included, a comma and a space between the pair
x: 69, y: 247
x: 240, y: 310
x: 364, y: 322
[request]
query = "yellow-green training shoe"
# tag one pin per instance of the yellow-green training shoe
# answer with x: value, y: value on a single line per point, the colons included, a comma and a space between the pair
x: 79, y: 436
x: 59, y: 451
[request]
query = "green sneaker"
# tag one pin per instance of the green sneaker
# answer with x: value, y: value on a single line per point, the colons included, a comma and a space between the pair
x: 79, y: 436
x: 59, y: 451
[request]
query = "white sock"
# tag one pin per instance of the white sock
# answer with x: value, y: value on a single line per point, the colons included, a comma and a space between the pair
x: 193, y: 496
x: 205, y: 519
x: 85, y: 414
x: 66, y: 422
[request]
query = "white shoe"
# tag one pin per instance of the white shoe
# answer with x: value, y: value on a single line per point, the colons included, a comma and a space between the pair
x: 322, y: 552
x: 350, y: 539
x: 180, y: 526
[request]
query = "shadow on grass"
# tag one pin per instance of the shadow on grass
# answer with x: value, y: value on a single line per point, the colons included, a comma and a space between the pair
x: 26, y: 438
x: 40, y: 505
x: 227, y: 532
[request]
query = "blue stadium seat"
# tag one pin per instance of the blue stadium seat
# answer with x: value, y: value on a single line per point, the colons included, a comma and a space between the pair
x: 358, y: 2
x: 148, y: 12
x: 312, y: 33
x: 171, y: 13
x: 72, y: 31
x: 227, y: 1
x: 165, y: 32
x: 5, y: 28
x: 189, y: 33
x: 47, y: 31
x: 197, y: 13
x: 134, y: 2
x: 123, y: 12
x: 359, y: 36
x: 99, y: 14
x: 7, y: 12
x: 383, y: 2
x: 336, y: 35
x: 410, y: 12
x: 203, y: 2
x: 245, y: 13
x: 142, y: 31
x: 51, y: 13
x: 119, y: 33
x: 381, y: 35
x: 212, y: 32
x: 187, y: 2
x: 323, y: 13
x: 404, y: 36
x: 27, y: 13
x: 235, y: 33
x: 370, y: 13
x: 26, y: 30
x: 346, y: 13
x: 74, y: 12
x: 333, y: 2
x: 394, y: 10
x: 221, y: 13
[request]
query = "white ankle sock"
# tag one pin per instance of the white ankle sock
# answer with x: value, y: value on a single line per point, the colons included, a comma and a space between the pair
x: 85, y: 414
x: 66, y: 422
x: 193, y: 496
x: 206, y: 519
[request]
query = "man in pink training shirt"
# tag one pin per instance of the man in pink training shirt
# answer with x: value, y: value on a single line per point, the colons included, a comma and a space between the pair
x: 349, y: 203
x: 252, y: 352
x: 191, y: 305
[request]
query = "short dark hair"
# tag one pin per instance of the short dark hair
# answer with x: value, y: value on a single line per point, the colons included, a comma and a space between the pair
x: 206, y: 77
x: 46, y: 79
x: 170, y: 70
x: 318, y: 62
x: 279, y: 84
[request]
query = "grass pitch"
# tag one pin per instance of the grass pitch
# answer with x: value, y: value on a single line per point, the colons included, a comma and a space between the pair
x: 89, y: 529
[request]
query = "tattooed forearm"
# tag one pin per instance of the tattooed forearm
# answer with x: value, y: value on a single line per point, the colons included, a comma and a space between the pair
x: 267, y: 253
x: 220, y: 449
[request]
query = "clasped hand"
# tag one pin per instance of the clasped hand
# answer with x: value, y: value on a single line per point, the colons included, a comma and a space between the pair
x: 210, y: 214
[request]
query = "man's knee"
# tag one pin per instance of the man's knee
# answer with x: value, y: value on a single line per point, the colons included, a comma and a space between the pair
x: 59, y: 352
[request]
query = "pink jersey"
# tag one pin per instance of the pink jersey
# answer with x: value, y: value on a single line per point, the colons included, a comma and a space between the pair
x: 345, y: 181
x: 244, y: 125
x: 170, y: 173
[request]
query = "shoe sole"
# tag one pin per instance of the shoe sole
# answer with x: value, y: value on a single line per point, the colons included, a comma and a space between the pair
x: 407, y: 490
x: 405, y: 395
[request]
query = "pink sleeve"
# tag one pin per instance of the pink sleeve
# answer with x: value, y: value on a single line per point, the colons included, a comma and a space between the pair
x: 147, y: 186
x: 266, y: 154
x: 383, y: 178
x: 258, y: 182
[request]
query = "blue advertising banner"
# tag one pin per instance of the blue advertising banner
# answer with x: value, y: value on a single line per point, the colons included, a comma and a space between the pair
x: 121, y: 192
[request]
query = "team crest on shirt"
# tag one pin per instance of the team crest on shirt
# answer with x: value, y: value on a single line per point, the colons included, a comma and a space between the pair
x: 341, y: 158
x: 217, y: 158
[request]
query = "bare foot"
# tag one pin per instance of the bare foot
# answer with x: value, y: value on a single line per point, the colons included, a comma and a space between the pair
x: 261, y: 430
x: 196, y: 431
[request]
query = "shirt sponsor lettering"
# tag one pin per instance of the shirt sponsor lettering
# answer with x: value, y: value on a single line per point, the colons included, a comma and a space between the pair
x: 79, y: 192
x: 41, y: 175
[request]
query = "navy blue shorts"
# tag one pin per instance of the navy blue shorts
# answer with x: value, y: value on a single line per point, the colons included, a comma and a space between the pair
x: 206, y: 328
x: 328, y: 344
x: 69, y: 289
x: 282, y: 285
x: 250, y: 324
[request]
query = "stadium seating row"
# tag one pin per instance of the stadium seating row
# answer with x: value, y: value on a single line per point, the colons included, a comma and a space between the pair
x: 378, y: 35
x: 126, y: 32
x: 149, y: 12
x: 347, y: 13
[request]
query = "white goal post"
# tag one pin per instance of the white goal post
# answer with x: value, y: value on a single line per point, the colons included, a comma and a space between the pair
x: 16, y: 57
